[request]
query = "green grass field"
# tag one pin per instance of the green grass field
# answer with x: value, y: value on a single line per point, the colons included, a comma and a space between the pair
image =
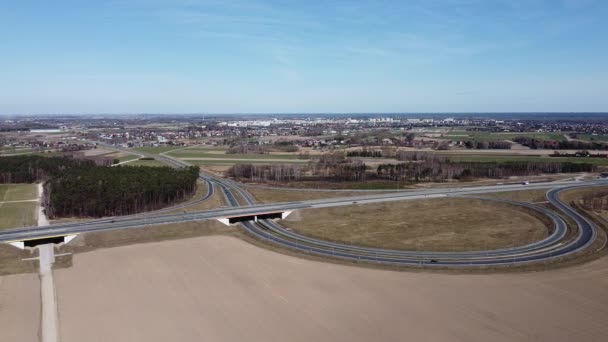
x: 145, y: 163
x: 18, y: 192
x: 127, y: 158
x: 205, y: 148
x: 122, y: 156
x: 488, y: 136
x: 590, y: 137
x: 47, y: 154
x: 18, y: 214
x: 156, y: 150
x: 14, y: 150
x: 188, y: 153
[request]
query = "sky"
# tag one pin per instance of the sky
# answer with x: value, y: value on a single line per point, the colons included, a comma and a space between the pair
x: 330, y: 56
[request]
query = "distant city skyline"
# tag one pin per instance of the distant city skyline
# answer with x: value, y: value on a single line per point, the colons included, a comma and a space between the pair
x: 417, y: 56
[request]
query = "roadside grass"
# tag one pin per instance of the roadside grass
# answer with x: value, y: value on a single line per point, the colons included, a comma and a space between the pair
x: 530, y: 196
x: 456, y: 224
x: 18, y: 192
x: 377, y: 185
x: 15, y: 215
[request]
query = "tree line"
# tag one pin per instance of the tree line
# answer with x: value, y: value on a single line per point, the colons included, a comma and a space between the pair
x: 31, y: 168
x: 487, y: 145
x: 78, y: 188
x: 420, y: 167
x: 598, y: 200
x: 560, y: 145
x: 365, y: 153
x: 439, y: 171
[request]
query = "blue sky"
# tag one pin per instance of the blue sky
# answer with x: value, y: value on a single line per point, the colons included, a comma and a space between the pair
x: 248, y: 56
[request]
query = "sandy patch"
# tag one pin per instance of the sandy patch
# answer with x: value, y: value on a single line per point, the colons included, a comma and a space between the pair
x: 224, y: 289
x: 19, y: 308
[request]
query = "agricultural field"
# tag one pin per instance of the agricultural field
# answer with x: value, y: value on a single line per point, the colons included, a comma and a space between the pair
x: 203, y: 155
x: 200, y: 282
x: 489, y: 136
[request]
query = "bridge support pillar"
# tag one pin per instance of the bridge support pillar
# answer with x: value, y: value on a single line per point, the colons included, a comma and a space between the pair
x: 224, y: 221
x: 18, y: 244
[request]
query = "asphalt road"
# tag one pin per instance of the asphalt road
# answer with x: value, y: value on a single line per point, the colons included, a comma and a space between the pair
x: 554, y: 246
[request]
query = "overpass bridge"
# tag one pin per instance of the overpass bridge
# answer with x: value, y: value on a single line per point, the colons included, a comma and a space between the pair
x: 255, y: 217
x: 60, y: 233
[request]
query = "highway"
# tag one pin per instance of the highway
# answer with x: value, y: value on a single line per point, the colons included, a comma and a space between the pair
x: 556, y: 245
